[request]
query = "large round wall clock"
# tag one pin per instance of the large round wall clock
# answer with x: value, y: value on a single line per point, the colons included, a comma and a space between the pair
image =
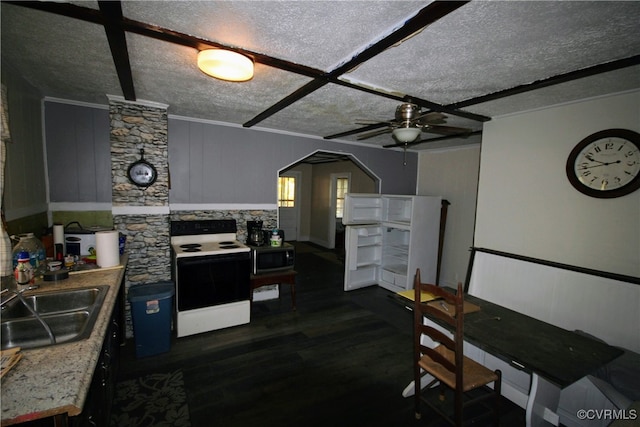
x: 141, y: 172
x: 606, y: 164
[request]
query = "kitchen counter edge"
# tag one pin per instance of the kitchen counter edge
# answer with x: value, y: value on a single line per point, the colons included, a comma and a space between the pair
x: 55, y: 380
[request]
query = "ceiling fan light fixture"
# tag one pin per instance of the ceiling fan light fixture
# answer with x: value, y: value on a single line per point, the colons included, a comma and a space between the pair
x: 406, y: 134
x: 225, y: 65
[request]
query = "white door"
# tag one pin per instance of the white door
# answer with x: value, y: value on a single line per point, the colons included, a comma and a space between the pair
x: 363, y: 250
x: 339, y: 187
x: 289, y: 204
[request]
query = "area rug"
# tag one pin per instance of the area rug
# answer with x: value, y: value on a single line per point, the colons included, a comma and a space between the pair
x: 151, y: 400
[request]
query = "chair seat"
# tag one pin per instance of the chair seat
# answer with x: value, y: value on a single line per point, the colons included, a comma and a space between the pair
x: 474, y: 374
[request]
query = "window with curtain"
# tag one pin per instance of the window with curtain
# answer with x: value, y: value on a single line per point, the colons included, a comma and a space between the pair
x: 286, y: 192
x: 342, y: 187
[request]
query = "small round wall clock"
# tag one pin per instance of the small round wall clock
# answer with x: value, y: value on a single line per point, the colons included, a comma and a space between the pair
x: 142, y: 173
x: 606, y: 164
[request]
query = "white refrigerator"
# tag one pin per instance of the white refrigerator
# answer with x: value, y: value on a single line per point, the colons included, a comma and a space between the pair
x: 388, y: 237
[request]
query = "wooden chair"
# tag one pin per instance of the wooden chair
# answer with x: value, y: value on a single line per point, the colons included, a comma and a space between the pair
x: 446, y: 362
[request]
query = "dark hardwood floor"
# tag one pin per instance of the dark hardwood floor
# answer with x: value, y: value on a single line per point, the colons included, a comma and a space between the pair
x: 341, y: 359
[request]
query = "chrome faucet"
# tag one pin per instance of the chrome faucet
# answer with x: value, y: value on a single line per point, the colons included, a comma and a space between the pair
x: 14, y: 294
x: 18, y: 294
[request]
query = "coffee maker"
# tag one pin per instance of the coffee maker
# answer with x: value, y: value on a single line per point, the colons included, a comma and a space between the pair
x: 255, y: 235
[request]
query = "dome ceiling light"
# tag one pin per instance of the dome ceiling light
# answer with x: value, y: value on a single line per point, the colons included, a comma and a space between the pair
x: 225, y: 65
x: 406, y: 134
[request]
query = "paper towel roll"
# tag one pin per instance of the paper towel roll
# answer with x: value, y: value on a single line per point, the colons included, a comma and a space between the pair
x: 58, y: 233
x: 107, y: 251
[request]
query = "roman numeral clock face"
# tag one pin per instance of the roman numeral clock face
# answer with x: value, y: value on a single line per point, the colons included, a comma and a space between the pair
x: 606, y: 164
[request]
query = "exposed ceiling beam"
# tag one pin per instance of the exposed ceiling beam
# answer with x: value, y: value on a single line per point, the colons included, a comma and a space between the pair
x: 446, y: 109
x: 367, y: 128
x: 162, y: 34
x: 418, y: 101
x: 112, y: 11
x: 198, y: 43
x: 116, y: 26
x: 64, y: 9
x: 554, y: 80
x: 305, y: 90
x: 424, y: 17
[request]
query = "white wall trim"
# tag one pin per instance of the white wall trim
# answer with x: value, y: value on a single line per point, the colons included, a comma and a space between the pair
x: 455, y: 148
x: 213, y: 122
x: 154, y: 210
x: 80, y: 207
x: 276, y: 131
x: 141, y: 102
x: 77, y: 103
x: 562, y: 104
x: 140, y: 210
x: 221, y: 206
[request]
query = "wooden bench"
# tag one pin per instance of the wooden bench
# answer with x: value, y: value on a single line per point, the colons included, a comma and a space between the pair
x: 278, y: 277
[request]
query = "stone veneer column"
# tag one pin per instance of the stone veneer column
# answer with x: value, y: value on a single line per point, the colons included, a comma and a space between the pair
x: 142, y: 215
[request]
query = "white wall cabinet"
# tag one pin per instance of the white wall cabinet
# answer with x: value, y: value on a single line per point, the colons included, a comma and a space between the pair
x: 388, y: 237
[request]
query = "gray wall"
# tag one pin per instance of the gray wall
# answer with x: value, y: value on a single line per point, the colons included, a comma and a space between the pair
x: 25, y: 183
x: 78, y: 154
x: 219, y: 164
x: 208, y: 163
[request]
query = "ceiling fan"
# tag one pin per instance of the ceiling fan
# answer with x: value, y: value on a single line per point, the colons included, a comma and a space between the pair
x: 409, y: 122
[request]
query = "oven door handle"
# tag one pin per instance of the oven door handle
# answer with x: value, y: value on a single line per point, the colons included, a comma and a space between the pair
x: 212, y: 259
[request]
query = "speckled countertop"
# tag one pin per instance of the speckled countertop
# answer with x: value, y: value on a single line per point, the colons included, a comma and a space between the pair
x: 55, y: 380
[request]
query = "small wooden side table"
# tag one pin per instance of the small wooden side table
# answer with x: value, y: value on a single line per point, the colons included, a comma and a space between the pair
x: 278, y: 277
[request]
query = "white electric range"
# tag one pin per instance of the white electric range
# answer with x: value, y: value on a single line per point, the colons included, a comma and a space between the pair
x: 210, y: 269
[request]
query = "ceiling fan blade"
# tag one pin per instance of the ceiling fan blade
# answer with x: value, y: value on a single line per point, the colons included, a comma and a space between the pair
x: 445, y: 130
x: 432, y: 117
x: 359, y: 130
x: 371, y: 122
x: 374, y: 133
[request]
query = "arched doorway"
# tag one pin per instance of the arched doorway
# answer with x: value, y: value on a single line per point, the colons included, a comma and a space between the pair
x: 312, y: 215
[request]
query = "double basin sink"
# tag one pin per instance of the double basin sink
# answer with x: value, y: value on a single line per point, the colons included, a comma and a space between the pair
x: 69, y: 314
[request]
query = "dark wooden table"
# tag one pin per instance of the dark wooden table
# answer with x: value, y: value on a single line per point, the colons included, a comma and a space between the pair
x: 278, y: 277
x: 555, y: 357
x: 560, y: 356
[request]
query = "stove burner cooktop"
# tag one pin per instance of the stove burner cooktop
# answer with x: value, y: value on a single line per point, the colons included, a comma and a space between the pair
x: 205, y: 238
x: 187, y: 246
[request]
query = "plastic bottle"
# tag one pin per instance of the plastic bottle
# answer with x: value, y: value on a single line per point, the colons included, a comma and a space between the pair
x: 275, y: 238
x: 31, y: 244
x: 24, y: 271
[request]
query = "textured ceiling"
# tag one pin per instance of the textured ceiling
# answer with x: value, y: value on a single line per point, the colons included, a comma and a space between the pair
x: 457, y: 61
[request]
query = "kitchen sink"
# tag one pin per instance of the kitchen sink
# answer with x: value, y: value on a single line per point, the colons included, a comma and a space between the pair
x: 29, y: 332
x: 70, y: 314
x: 54, y: 302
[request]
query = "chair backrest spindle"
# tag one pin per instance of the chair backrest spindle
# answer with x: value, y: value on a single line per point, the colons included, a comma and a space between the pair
x: 447, y: 307
x: 443, y: 358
